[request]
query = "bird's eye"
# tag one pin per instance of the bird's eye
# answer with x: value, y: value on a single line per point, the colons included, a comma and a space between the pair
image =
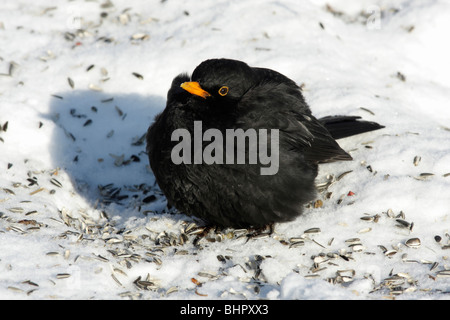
x: 223, y: 91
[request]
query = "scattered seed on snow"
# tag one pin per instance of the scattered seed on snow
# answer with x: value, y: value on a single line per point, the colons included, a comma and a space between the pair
x: 55, y: 182
x: 137, y: 75
x: 413, y: 243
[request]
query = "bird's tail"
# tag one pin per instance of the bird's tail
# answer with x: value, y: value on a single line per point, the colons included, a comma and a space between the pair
x: 346, y: 126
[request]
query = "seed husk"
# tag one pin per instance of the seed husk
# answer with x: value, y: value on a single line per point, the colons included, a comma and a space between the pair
x: 343, y: 175
x: 140, y: 36
x: 365, y: 230
x: 171, y: 290
x: 318, y: 204
x: 94, y: 87
x: 15, y: 289
x: 434, y: 266
x: 367, y: 110
x: 116, y: 280
x: 36, y: 191
x: 443, y: 274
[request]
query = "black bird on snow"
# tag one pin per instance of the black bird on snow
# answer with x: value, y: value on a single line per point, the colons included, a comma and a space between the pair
x: 226, y: 94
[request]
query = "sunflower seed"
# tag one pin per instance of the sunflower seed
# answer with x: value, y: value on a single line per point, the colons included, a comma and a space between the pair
x: 137, y: 75
x: 413, y: 243
x: 62, y: 275
x: 16, y: 210
x: 390, y: 253
x: 374, y: 218
x: 297, y: 244
x: 31, y: 283
x: 296, y: 239
x: 424, y: 176
x: 417, y: 160
x: 312, y: 230
x: 88, y: 122
x: 434, y: 266
x: 71, y: 83
x: 55, y: 182
x: 353, y: 241
x: 17, y: 229
x: 403, y: 223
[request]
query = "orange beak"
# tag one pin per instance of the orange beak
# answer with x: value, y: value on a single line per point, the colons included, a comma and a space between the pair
x: 194, y: 88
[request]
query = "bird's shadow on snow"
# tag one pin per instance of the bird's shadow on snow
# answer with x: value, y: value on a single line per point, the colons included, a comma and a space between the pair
x: 99, y: 140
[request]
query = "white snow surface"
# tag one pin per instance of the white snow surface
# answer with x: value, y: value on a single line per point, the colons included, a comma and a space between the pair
x: 73, y: 242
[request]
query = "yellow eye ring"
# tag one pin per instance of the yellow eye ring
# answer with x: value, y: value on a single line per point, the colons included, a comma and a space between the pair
x: 223, y: 91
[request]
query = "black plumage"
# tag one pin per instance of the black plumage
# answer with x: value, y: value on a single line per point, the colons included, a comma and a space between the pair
x: 228, y: 94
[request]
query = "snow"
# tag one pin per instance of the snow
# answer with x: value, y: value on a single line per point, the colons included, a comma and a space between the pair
x: 70, y: 242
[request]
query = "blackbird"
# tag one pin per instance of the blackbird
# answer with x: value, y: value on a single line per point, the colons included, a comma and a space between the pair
x: 224, y: 94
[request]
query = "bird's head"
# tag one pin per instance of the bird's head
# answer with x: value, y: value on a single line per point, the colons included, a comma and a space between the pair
x: 221, y: 81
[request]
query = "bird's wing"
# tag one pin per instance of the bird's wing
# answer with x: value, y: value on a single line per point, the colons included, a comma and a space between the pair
x: 279, y: 107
